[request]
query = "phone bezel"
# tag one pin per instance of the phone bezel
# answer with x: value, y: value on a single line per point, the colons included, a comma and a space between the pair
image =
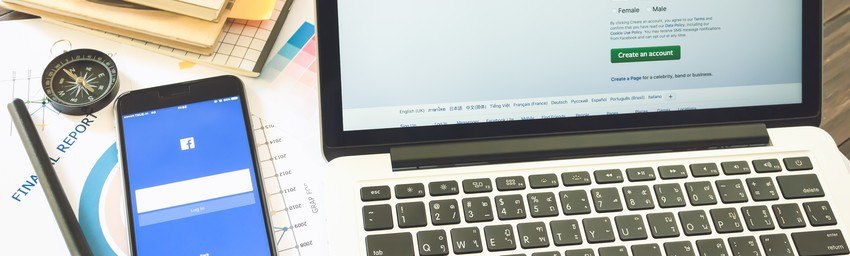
x: 180, y: 94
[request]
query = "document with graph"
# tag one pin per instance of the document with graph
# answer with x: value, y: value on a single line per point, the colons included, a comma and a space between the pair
x: 85, y: 154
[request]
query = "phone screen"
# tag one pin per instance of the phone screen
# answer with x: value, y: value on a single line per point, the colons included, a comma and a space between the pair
x: 191, y: 181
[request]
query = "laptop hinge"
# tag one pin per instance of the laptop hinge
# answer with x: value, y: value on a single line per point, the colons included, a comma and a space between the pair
x: 452, y: 154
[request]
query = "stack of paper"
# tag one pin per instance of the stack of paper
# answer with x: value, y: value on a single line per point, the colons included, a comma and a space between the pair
x: 202, y: 9
x: 239, y: 44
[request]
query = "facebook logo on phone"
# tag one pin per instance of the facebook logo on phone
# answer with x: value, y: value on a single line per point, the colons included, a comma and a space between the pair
x: 187, y: 143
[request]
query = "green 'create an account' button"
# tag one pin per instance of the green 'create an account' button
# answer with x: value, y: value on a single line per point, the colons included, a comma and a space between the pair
x: 657, y: 53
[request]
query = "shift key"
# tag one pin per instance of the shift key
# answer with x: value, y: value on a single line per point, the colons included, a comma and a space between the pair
x: 817, y: 243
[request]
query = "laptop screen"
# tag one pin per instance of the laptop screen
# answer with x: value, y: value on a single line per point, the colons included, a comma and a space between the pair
x: 440, y: 62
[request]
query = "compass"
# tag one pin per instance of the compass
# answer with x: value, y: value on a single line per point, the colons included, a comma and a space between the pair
x: 80, y: 82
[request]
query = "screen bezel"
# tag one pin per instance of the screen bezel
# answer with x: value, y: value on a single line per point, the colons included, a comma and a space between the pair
x: 338, y: 142
x: 181, y: 94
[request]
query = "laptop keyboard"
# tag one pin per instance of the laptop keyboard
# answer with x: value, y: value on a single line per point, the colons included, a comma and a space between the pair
x: 676, y: 209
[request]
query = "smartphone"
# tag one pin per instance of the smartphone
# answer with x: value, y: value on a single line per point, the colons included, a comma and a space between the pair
x: 191, y: 176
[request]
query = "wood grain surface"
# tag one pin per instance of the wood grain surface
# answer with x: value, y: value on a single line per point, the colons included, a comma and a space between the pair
x: 836, y: 71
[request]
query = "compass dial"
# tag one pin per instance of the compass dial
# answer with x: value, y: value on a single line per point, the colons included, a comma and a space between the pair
x: 81, y: 81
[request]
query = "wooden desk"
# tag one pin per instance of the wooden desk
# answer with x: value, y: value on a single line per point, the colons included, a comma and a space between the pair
x: 836, y: 71
x: 836, y: 68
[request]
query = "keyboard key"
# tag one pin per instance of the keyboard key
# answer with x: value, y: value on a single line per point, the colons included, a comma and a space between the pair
x: 606, y: 200
x: 399, y: 244
x: 757, y: 218
x: 466, y: 240
x: 575, y: 178
x: 613, y: 251
x: 744, y: 245
x: 579, y: 252
x: 701, y: 193
x: 608, y: 176
x: 788, y: 216
x: 409, y: 190
x: 411, y: 215
x: 510, y: 183
x: 798, y: 163
x: 646, y: 250
x: 543, y: 181
x: 377, y: 217
x: 683, y: 248
x: 726, y: 220
x: 442, y: 188
x: 553, y: 253
x: 510, y: 207
x: 776, y: 245
x: 500, y: 238
x: 638, y: 198
x: 819, y: 213
x: 731, y: 191
x: 762, y: 189
x: 377, y: 193
x: 669, y: 195
x: 828, y: 242
x: 542, y: 204
x: 695, y: 223
x: 640, y: 174
x: 598, y: 230
x: 574, y: 202
x: 711, y: 247
x: 704, y: 170
x: 533, y: 235
x: 672, y: 172
x: 565, y: 232
x: 767, y: 165
x: 662, y: 225
x: 433, y: 243
x: 800, y: 186
x: 735, y: 168
x: 444, y: 212
x: 477, y: 186
x: 630, y: 227
x: 477, y: 209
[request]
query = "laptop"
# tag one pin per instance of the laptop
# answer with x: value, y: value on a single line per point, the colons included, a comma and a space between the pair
x: 607, y: 128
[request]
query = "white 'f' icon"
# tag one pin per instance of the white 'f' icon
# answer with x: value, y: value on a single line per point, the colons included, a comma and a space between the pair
x: 187, y: 143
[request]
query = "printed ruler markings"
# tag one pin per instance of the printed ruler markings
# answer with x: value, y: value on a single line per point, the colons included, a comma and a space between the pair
x: 277, y: 177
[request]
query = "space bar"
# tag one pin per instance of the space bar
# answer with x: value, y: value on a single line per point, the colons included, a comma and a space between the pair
x: 819, y: 243
x: 398, y: 244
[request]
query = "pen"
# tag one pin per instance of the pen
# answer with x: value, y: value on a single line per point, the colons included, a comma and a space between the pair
x: 62, y: 211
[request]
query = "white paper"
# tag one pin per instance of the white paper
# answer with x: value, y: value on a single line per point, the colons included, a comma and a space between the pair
x: 87, y: 163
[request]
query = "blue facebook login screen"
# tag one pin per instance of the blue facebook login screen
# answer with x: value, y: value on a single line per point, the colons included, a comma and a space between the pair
x: 191, y: 181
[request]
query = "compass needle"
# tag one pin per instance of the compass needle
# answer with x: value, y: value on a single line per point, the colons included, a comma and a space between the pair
x: 87, y: 82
